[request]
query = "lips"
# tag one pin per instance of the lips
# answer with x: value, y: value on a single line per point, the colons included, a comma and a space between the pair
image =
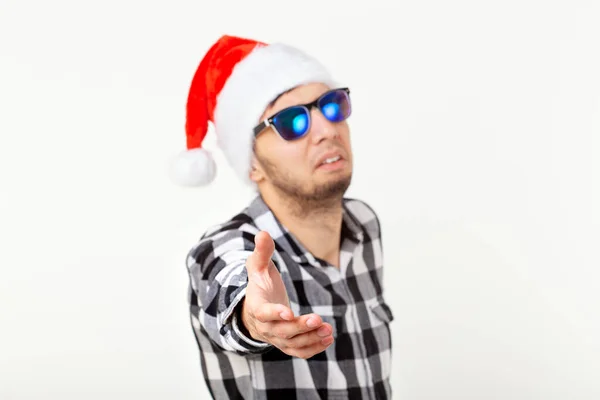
x: 332, y: 160
x: 329, y: 158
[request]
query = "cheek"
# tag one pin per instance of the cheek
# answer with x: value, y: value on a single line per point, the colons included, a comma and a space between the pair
x: 289, y: 158
x: 345, y: 134
x: 347, y: 142
x: 294, y: 160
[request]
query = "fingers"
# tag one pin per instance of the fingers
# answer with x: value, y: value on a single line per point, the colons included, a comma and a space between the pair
x: 323, y: 335
x: 281, y: 330
x: 302, y: 336
x: 263, y: 251
x: 277, y: 321
x: 297, y: 326
x: 309, y: 344
x: 308, y: 352
x: 271, y: 312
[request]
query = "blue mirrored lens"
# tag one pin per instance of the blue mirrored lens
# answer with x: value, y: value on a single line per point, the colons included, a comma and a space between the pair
x: 331, y: 111
x: 300, y: 123
x: 335, y: 106
x: 292, y: 123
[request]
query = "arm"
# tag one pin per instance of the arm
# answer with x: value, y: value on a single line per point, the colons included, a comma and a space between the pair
x: 242, y: 302
x: 218, y: 282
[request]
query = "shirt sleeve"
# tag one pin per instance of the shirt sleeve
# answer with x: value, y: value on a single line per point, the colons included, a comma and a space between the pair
x: 218, y: 280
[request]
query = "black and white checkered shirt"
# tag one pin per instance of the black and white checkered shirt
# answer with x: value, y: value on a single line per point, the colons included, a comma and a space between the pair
x: 357, y: 364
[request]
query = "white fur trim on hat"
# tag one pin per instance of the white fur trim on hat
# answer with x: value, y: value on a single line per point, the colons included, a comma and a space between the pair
x: 255, y: 81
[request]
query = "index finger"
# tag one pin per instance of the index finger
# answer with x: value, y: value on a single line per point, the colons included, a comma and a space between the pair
x: 300, y: 325
x: 270, y: 312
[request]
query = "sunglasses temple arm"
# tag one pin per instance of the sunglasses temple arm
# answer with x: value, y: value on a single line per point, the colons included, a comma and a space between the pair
x: 261, y: 127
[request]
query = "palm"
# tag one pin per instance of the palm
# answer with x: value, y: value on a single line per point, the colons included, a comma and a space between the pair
x: 264, y: 281
x: 266, y: 286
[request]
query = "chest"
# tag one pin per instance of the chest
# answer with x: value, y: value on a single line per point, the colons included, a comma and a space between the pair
x: 328, y: 290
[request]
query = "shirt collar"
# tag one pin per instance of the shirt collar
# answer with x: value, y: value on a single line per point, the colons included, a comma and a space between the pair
x: 265, y: 220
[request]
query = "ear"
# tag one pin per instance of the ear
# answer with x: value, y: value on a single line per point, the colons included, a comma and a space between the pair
x: 256, y: 170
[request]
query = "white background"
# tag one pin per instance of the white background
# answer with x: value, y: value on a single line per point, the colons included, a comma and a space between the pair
x: 476, y: 133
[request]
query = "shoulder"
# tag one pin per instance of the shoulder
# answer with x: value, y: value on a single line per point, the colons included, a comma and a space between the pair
x: 364, y: 215
x: 230, y: 239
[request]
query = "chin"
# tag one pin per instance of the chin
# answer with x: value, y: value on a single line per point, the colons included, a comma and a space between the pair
x: 334, y: 177
x: 334, y: 186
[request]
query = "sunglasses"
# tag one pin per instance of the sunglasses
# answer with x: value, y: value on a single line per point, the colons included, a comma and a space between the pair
x: 294, y: 122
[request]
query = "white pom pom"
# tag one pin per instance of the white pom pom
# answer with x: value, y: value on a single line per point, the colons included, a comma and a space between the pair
x: 195, y: 167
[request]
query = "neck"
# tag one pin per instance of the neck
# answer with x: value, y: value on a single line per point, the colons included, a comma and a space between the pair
x: 317, y: 225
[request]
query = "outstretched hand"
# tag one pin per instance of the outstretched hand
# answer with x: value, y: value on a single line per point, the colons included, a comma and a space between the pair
x: 266, y: 311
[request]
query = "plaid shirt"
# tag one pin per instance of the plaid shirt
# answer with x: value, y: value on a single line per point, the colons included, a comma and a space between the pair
x: 357, y: 364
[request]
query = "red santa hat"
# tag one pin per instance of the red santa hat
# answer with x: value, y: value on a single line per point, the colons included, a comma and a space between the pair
x: 233, y: 85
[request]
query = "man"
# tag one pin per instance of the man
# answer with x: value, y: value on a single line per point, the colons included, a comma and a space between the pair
x: 286, y: 297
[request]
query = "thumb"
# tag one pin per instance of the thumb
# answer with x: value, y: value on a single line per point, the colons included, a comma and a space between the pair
x: 260, y: 258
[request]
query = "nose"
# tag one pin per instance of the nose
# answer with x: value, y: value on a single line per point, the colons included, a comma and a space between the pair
x: 321, y: 128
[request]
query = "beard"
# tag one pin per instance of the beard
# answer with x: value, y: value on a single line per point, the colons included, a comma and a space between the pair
x: 305, y: 196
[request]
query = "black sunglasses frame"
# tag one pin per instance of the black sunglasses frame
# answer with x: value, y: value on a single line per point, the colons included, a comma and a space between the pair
x: 269, y: 121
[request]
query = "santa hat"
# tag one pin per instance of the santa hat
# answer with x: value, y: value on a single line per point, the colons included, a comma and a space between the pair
x: 233, y: 85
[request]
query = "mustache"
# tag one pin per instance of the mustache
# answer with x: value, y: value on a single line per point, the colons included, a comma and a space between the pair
x: 331, y: 149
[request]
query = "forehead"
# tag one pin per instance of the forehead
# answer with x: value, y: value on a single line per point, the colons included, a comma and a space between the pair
x: 299, y: 95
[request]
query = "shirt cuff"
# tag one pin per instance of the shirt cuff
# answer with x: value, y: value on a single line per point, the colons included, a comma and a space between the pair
x: 242, y: 333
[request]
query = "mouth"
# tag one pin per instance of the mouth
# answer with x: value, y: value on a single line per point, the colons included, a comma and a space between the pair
x: 331, y: 162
